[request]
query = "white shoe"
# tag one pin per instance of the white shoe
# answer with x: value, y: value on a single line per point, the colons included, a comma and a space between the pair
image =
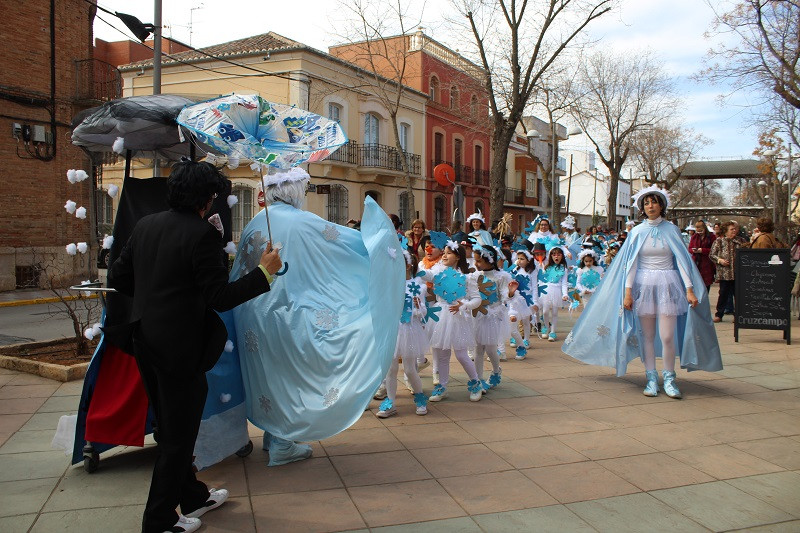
x: 380, y: 394
x: 185, y: 525
x: 407, y: 383
x: 435, y: 378
x: 216, y: 497
x: 423, y: 365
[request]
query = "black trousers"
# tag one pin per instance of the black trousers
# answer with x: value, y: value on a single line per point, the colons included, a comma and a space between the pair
x: 178, y: 402
x: 726, y: 291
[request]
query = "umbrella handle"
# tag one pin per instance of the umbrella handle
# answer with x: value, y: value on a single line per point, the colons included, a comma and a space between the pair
x: 282, y: 271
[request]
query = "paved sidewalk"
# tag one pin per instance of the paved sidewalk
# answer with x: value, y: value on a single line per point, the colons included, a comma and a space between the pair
x: 559, y: 446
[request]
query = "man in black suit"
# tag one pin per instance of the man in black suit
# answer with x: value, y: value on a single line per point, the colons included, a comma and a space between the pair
x: 172, y: 267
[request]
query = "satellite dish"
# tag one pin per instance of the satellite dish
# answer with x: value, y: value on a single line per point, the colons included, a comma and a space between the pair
x: 444, y: 174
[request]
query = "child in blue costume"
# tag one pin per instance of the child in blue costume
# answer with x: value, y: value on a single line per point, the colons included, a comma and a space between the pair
x: 554, y: 277
x: 412, y: 343
x: 525, y: 303
x: 589, y: 275
x: 647, y: 307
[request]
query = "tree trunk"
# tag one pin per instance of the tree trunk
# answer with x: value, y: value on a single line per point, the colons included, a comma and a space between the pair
x: 497, y: 177
x: 613, y: 187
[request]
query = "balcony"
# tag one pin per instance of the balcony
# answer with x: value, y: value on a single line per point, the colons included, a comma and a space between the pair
x: 481, y: 177
x: 375, y: 156
x: 96, y: 81
x: 514, y: 196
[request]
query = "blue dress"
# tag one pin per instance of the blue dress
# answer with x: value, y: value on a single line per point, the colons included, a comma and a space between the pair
x: 606, y: 334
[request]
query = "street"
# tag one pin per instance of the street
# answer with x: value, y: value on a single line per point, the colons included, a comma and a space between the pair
x: 40, y: 322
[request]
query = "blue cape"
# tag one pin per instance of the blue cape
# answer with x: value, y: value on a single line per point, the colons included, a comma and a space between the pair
x: 608, y: 335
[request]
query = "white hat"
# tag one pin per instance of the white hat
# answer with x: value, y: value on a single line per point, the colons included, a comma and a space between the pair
x: 568, y: 222
x: 476, y: 216
x: 293, y: 174
x: 588, y: 251
x: 653, y: 189
x: 690, y: 227
x: 630, y: 222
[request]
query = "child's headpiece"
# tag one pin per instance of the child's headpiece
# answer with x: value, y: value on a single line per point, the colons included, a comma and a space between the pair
x: 568, y: 222
x: 638, y: 198
x: 589, y: 252
x: 293, y: 174
x: 439, y: 239
x: 476, y: 216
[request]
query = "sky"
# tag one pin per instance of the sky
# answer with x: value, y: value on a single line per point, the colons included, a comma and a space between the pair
x: 672, y: 29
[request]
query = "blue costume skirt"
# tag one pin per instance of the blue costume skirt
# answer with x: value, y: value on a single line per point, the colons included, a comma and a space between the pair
x: 659, y: 292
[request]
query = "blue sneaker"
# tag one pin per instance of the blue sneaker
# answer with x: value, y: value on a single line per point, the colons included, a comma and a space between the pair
x: 439, y: 393
x: 494, y: 380
x: 386, y: 409
x: 526, y: 344
x: 552, y: 337
x: 512, y: 342
x: 475, y: 389
x: 485, y: 386
x: 421, y: 401
x: 520, y: 353
x: 543, y: 332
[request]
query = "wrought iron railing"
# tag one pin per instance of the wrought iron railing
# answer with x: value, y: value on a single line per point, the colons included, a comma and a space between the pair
x: 388, y: 157
x: 97, y: 81
x: 481, y: 177
x: 347, y: 153
x: 514, y: 196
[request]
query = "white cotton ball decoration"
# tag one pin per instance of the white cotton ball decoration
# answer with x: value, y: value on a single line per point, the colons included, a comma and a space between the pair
x: 88, y: 333
x: 71, y: 175
x: 72, y: 249
x: 81, y: 175
x: 119, y: 145
x: 232, y: 200
x: 230, y: 248
x: 224, y: 397
x: 80, y: 212
x: 70, y: 206
x: 96, y: 329
x: 108, y: 240
x: 113, y: 190
x: 229, y: 346
x: 82, y: 247
x: 256, y: 166
x: 233, y: 162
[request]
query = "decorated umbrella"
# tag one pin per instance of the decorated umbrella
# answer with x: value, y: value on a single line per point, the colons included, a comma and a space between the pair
x: 272, y: 136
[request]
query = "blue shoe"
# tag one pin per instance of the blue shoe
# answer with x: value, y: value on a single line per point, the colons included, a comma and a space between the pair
x: 421, y: 401
x: 439, y: 393
x: 512, y: 342
x: 526, y: 344
x: 494, y: 380
x: 386, y: 409
x: 670, y: 389
x: 543, y: 332
x: 552, y: 337
x: 267, y: 440
x: 521, y: 352
x: 651, y: 389
x: 475, y: 389
x: 485, y: 386
x: 282, y: 451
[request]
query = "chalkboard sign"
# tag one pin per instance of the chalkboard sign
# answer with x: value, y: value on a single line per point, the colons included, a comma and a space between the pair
x: 762, y: 290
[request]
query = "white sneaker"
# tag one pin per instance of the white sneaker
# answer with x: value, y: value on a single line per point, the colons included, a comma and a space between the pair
x: 435, y: 378
x: 185, y: 525
x: 216, y: 497
x: 422, y: 410
x: 423, y: 365
x: 380, y: 394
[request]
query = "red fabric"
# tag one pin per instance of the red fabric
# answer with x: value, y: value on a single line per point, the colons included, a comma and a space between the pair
x: 701, y: 259
x: 118, y: 408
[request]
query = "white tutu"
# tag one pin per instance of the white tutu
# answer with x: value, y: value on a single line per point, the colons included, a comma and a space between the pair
x: 412, y: 341
x: 659, y: 292
x: 493, y: 328
x: 553, y: 296
x: 452, y: 330
x: 519, y: 307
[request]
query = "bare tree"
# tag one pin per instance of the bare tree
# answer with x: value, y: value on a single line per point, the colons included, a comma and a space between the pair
x: 623, y: 95
x: 765, y: 50
x: 378, y: 40
x: 516, y: 43
x: 662, y: 152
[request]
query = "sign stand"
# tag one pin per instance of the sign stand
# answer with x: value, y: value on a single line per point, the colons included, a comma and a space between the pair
x: 762, y: 291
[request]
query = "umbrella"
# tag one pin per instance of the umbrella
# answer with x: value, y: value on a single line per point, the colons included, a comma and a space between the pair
x: 274, y: 136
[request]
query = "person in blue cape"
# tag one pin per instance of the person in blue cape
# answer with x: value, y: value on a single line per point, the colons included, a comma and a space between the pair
x: 315, y: 351
x: 651, y: 303
x: 477, y: 229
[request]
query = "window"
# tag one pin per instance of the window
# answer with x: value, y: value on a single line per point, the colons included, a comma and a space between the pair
x: 334, y: 111
x: 242, y: 211
x: 433, y: 90
x: 405, y: 209
x: 338, y: 211
x: 439, y: 210
x: 473, y: 106
x: 530, y: 184
x: 458, y: 148
x: 438, y: 147
x: 404, y: 130
x: 479, y: 207
x: 105, y: 207
x: 454, y: 97
x: 371, y: 123
x: 478, y: 157
x: 375, y: 195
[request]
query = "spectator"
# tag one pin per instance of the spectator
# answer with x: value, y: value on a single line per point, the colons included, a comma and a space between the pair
x: 700, y: 247
x: 765, y: 238
x: 414, y: 236
x: 723, y: 253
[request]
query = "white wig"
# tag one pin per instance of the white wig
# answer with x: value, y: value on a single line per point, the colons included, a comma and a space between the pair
x: 288, y: 192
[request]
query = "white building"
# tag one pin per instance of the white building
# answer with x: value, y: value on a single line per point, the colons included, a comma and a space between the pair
x: 587, y: 199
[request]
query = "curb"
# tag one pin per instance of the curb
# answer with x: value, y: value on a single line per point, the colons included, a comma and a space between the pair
x: 48, y: 300
x: 45, y: 370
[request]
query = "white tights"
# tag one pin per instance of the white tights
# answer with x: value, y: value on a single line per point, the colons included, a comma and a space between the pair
x: 550, y: 313
x: 666, y: 332
x: 443, y: 356
x: 410, y: 368
x: 526, y: 330
x: 484, y: 350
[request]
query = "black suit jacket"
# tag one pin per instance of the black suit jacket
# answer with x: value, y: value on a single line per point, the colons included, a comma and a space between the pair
x: 171, y: 267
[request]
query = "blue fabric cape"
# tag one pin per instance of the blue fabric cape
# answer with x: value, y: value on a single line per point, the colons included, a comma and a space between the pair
x: 608, y: 335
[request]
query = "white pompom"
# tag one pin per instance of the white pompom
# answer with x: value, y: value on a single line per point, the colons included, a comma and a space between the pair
x: 113, y: 190
x: 224, y: 397
x: 87, y: 294
x: 233, y: 162
x: 232, y: 200
x: 81, y: 175
x: 80, y: 212
x: 119, y: 145
x: 229, y: 346
x: 88, y: 333
x: 96, y: 328
x: 72, y: 249
x: 71, y: 175
x: 82, y: 247
x: 256, y: 166
x: 230, y: 248
x: 70, y: 206
x: 108, y: 240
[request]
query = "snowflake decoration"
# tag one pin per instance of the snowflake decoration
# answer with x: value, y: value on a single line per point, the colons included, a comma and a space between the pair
x: 569, y: 338
x: 542, y: 288
x: 408, y: 307
x: 633, y: 341
x: 414, y: 288
x: 620, y: 310
x: 251, y: 252
x: 330, y: 232
x: 432, y: 314
x: 326, y: 318
x: 265, y: 404
x: 602, y: 330
x: 450, y: 285
x: 590, y: 279
x: 392, y: 252
x: 330, y: 397
x: 251, y: 341
x: 572, y: 278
